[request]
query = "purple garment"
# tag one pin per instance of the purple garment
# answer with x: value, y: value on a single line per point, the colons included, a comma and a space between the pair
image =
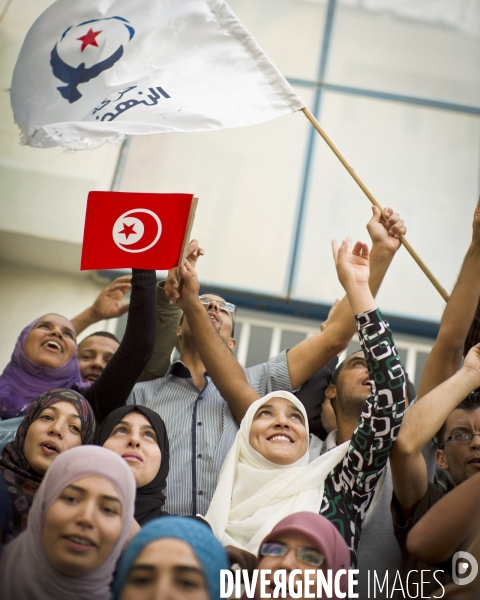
x: 23, y: 381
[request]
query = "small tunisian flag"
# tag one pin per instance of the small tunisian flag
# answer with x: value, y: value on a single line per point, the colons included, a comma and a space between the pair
x: 133, y: 230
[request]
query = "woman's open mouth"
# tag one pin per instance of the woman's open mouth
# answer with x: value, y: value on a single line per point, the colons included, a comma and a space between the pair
x: 49, y: 448
x: 52, y: 346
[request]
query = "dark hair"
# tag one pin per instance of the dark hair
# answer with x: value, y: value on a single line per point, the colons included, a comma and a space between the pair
x: 340, y: 366
x: 411, y: 390
x: 102, y: 334
x: 471, y: 403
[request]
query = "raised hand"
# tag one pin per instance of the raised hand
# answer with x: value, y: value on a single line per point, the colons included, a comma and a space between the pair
x: 353, y: 272
x: 351, y: 263
x: 171, y: 284
x: 472, y: 364
x: 190, y: 287
x: 387, y: 233
x: 108, y: 304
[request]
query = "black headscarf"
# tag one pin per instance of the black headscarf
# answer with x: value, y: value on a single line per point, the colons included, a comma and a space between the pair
x: 151, y: 497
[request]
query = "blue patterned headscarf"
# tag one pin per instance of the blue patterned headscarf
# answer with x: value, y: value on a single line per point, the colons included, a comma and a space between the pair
x: 197, y: 535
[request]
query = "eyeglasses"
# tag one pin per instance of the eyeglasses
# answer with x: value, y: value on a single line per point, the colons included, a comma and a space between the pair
x: 307, y: 555
x: 462, y: 437
x: 222, y: 305
x: 231, y: 308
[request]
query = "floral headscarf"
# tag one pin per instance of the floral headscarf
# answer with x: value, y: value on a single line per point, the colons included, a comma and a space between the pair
x: 22, y: 481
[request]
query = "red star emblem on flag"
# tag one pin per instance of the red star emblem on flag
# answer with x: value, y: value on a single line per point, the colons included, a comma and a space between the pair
x: 89, y: 39
x: 127, y: 230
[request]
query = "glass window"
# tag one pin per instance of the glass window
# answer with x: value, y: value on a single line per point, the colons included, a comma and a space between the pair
x: 421, y: 361
x: 290, y: 339
x: 259, y: 345
x: 385, y: 52
x: 421, y: 161
x: 247, y: 181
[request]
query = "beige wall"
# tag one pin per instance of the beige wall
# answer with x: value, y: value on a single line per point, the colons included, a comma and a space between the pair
x: 43, y: 192
x: 30, y: 293
x: 43, y: 196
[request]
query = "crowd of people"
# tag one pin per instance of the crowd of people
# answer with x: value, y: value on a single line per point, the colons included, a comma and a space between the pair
x: 124, y: 476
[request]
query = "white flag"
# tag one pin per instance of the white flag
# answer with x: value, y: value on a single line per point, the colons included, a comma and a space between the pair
x: 93, y: 71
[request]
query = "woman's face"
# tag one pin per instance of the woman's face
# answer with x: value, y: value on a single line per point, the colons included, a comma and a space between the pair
x: 278, y: 432
x: 135, y: 440
x: 166, y: 568
x: 52, y: 342
x: 82, y: 526
x: 289, y: 562
x: 56, y: 429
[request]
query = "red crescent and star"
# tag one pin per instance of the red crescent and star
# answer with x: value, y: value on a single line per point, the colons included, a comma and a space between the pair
x: 89, y: 39
x: 128, y: 230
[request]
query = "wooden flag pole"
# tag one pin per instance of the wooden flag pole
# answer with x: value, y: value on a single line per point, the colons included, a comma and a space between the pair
x: 367, y: 193
x: 186, y: 239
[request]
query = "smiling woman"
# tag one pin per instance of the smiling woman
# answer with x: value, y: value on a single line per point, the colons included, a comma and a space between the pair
x: 58, y: 420
x: 139, y: 436
x: 44, y: 358
x: 270, y: 438
x: 78, y: 524
x: 267, y: 475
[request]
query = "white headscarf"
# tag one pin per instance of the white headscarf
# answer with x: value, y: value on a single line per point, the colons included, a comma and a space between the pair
x: 254, y: 494
x: 25, y: 571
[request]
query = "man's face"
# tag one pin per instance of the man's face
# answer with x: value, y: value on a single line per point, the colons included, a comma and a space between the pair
x: 352, y: 387
x: 461, y: 460
x: 222, y: 320
x: 94, y: 354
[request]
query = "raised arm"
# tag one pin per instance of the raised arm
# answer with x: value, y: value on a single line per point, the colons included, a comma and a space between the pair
x: 422, y: 421
x: 108, y: 304
x: 114, y: 385
x: 221, y: 365
x: 168, y: 317
x: 382, y: 414
x: 449, y: 523
x: 446, y: 354
x: 353, y: 270
x: 355, y: 478
x: 311, y: 354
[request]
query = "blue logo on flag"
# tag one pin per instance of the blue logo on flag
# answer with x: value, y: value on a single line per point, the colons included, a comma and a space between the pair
x: 74, y: 46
